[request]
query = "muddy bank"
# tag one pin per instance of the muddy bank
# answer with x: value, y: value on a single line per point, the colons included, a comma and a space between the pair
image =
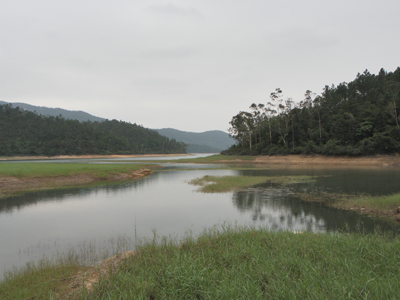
x: 349, y: 202
x: 376, y: 160
x: 10, y: 185
x: 86, y: 156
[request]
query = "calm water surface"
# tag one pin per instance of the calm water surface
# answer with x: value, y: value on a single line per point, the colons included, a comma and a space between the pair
x: 45, y: 222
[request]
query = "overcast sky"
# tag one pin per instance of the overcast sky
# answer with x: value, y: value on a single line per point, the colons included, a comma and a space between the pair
x: 189, y: 65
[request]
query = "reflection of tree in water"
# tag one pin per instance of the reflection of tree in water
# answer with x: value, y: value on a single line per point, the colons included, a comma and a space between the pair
x: 280, y: 209
x: 10, y: 204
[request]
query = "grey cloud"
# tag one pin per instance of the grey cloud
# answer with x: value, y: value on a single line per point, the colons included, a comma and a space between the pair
x: 174, y: 52
x: 172, y: 9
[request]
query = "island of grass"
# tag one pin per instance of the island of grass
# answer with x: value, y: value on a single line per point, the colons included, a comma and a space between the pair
x: 16, y: 178
x: 222, y: 184
x: 383, y: 206
x: 228, y: 262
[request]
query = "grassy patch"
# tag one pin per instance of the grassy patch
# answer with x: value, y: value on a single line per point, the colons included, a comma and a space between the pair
x: 382, y: 206
x: 21, y: 170
x: 222, y: 184
x: 370, y: 202
x: 228, y: 262
x: 43, y: 280
x: 245, y: 263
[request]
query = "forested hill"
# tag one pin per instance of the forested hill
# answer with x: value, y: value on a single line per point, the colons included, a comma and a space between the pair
x: 26, y: 133
x: 79, y: 115
x: 213, y: 141
x: 356, y: 118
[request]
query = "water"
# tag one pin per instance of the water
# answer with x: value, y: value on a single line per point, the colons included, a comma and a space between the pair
x: 42, y: 223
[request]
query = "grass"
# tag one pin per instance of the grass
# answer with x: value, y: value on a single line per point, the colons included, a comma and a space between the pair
x: 222, y: 184
x: 231, y: 262
x: 21, y: 170
x: 43, y: 280
x: 382, y: 206
x: 19, y: 178
x: 375, y: 203
x: 56, y: 277
x: 248, y: 263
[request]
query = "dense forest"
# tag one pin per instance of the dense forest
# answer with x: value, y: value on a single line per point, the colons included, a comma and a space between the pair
x: 356, y: 118
x: 27, y: 133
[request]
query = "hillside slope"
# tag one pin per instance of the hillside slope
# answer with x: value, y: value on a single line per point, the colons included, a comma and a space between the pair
x: 201, y: 142
x: 26, y: 133
x: 79, y: 115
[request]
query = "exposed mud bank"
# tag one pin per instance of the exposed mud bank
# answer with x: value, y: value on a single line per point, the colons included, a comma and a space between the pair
x: 376, y: 160
x: 88, y: 279
x: 11, y: 185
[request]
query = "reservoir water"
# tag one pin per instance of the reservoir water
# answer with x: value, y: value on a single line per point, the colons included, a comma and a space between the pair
x: 50, y: 222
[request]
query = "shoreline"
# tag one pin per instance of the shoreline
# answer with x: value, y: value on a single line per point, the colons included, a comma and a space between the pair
x: 11, y: 186
x: 303, y: 160
x: 376, y: 160
x: 86, y: 156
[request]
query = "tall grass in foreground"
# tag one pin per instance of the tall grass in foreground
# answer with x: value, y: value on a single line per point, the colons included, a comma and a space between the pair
x: 247, y: 263
x: 226, y: 262
x: 51, y: 277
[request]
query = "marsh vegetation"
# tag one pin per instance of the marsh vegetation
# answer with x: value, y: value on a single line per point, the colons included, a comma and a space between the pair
x: 230, y: 262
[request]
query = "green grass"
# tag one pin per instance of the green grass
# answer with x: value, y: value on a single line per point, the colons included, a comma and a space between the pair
x: 21, y: 170
x: 40, y: 281
x: 376, y: 203
x: 231, y: 262
x: 382, y: 206
x: 245, y: 263
x: 222, y: 184
x: 57, y: 274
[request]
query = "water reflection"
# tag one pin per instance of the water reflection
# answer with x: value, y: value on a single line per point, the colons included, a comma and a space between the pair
x: 16, y: 203
x: 281, y: 209
x: 166, y: 202
x: 371, y: 181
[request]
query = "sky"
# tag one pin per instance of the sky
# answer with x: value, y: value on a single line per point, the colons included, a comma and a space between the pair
x: 188, y: 65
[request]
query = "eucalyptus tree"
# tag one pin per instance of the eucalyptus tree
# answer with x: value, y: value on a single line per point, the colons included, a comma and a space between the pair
x: 269, y: 113
x: 317, y: 107
x: 393, y: 89
x: 258, y: 118
x: 283, y: 117
x: 307, y: 105
x: 242, y: 127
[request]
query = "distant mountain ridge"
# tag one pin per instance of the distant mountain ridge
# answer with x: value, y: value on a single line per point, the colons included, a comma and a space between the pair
x: 213, y: 141
x: 79, y: 115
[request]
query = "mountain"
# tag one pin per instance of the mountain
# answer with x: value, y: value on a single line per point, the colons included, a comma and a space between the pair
x: 23, y: 132
x: 213, y: 141
x: 81, y: 116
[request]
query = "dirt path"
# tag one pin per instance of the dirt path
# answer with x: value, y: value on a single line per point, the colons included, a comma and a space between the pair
x: 10, y: 185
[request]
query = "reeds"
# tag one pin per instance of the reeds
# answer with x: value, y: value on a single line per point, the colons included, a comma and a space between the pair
x: 246, y: 263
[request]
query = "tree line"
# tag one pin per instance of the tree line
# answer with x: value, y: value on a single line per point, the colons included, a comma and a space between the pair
x: 27, y: 133
x: 356, y: 118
